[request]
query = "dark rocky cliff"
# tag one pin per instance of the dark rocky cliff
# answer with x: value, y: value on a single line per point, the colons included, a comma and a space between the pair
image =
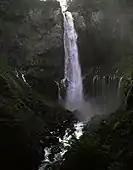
x: 32, y: 42
x: 104, y: 30
x: 29, y: 122
x: 31, y: 47
x: 45, y: 57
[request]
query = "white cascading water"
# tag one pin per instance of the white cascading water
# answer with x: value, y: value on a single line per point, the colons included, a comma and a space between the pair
x: 108, y: 92
x: 75, y: 97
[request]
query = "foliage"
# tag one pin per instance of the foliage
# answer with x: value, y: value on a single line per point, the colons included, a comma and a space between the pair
x: 30, y: 120
x: 31, y: 41
x: 26, y: 119
x: 109, y: 146
x: 106, y: 142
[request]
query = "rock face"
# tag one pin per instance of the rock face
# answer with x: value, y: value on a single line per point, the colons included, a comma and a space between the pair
x: 46, y: 53
x: 102, y: 28
x: 31, y: 59
x: 45, y: 57
x: 45, y: 41
x: 27, y: 119
x: 103, y: 38
x: 34, y: 43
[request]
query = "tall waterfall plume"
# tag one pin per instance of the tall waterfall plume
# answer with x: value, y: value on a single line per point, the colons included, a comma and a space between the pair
x: 75, y: 97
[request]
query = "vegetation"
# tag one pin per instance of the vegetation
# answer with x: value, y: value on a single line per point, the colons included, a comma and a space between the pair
x: 30, y: 117
x: 31, y: 47
x: 107, y: 139
x: 27, y: 120
x: 106, y: 146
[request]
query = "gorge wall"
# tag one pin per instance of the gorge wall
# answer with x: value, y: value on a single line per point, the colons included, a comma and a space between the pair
x: 31, y: 59
x: 104, y: 32
x: 32, y: 41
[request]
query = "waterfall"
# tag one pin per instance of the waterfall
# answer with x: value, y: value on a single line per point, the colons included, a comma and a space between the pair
x: 74, y: 97
x: 107, y: 91
x: 59, y: 96
x: 119, y: 87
